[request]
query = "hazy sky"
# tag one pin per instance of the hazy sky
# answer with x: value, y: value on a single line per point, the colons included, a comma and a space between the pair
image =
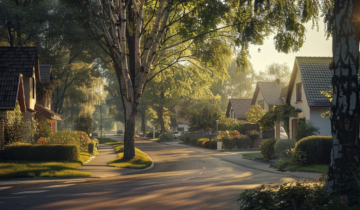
x: 315, y: 45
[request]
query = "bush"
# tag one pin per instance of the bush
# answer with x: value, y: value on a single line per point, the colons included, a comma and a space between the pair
x: 84, y: 141
x: 213, y: 145
x: 267, y: 148
x: 227, y: 123
x: 167, y: 136
x: 228, y: 143
x: 78, y: 138
x: 193, y: 142
x: 91, y: 148
x: 201, y: 142
x: 317, y: 149
x: 283, y: 145
x: 150, y: 134
x: 43, y: 153
x: 84, y: 123
x: 253, y: 134
x: 243, y: 141
x: 44, y: 130
x: 282, y: 163
x: 187, y: 138
x: 305, y: 129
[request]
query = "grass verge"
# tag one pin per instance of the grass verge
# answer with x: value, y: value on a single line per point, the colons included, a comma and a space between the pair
x: 151, y: 139
x: 251, y: 155
x: 105, y: 140
x: 140, y: 161
x: 18, y: 169
x: 310, y: 168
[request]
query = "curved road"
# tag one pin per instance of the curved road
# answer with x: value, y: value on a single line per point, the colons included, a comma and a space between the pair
x: 183, y: 178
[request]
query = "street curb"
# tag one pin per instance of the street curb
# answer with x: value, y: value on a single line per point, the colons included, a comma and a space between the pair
x: 144, y: 169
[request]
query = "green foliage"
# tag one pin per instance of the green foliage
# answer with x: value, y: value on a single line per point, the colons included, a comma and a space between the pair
x: 316, y: 148
x: 150, y: 134
x: 66, y: 137
x: 243, y: 141
x: 254, y: 114
x: 305, y: 129
x: 298, y: 157
x: 84, y: 123
x: 204, y: 118
x: 283, y: 145
x: 167, y: 136
x: 227, y: 124
x: 44, y: 129
x: 187, y: 138
x: 43, y: 153
x: 282, y: 163
x: 267, y: 148
x: 253, y: 134
x: 229, y: 143
x: 91, y: 148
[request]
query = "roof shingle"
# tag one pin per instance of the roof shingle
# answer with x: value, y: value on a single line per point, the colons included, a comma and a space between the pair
x: 9, y: 84
x: 20, y: 59
x: 240, y: 107
x: 45, y: 72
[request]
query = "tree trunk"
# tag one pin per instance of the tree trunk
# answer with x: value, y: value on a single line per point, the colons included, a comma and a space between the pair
x: 344, y: 165
x: 129, y: 134
x: 160, y: 114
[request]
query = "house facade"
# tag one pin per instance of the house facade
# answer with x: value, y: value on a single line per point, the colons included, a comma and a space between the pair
x: 268, y: 94
x: 237, y: 108
x: 310, y: 75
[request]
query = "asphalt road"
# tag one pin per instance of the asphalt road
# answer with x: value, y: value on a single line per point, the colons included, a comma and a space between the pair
x: 183, y: 178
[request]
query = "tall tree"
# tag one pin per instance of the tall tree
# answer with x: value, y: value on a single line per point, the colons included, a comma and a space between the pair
x: 345, y: 156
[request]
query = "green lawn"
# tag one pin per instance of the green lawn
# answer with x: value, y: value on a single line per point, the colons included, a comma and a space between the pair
x: 311, y: 168
x: 17, y: 169
x: 251, y: 155
x: 151, y: 139
x: 105, y: 140
x: 141, y: 160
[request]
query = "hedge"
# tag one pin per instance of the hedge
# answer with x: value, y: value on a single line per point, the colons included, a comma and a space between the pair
x: 203, y: 142
x: 91, y: 148
x: 317, y: 149
x: 42, y: 153
x: 267, y: 148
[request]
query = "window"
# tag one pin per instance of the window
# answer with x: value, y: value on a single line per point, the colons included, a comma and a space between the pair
x: 33, y: 87
x: 261, y: 103
x: 298, y: 92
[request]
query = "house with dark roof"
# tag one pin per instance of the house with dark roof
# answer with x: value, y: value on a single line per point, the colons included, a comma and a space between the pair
x: 19, y: 74
x: 268, y: 94
x: 237, y: 108
x: 43, y: 102
x: 310, y: 75
x: 179, y: 124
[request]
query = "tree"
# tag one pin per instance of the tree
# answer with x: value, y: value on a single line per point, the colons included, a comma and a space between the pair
x: 254, y: 114
x: 344, y: 165
x: 84, y: 123
x: 204, y: 119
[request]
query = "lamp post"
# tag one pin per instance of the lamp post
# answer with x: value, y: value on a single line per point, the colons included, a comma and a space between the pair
x: 218, y: 143
x: 101, y: 115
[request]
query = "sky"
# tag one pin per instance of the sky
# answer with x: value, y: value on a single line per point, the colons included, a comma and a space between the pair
x: 315, y: 45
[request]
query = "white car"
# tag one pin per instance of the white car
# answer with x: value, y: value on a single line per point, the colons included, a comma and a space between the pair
x: 177, y: 134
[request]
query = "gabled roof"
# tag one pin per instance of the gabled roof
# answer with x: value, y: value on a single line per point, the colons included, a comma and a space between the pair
x: 315, y: 76
x: 45, y: 72
x: 240, y: 107
x: 271, y: 92
x: 21, y: 60
x: 11, y: 88
x: 47, y: 113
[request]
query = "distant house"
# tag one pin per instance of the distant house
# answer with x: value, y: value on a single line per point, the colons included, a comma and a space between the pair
x: 19, y: 74
x: 237, y: 108
x: 310, y: 75
x: 268, y: 94
x: 177, y: 123
x: 43, y: 104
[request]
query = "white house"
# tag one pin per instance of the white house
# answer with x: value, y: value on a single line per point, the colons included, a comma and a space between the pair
x: 237, y: 108
x: 310, y: 75
x: 268, y: 94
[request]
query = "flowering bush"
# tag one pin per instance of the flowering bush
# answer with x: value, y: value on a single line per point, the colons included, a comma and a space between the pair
x: 84, y: 140
x: 42, y: 141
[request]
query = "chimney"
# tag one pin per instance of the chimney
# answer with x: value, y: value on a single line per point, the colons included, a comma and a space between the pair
x: 277, y: 81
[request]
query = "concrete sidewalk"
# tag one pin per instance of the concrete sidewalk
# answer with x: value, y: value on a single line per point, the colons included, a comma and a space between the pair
x: 99, y: 168
x: 236, y: 158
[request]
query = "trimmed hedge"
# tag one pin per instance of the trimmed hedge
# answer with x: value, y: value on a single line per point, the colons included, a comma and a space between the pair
x: 317, y: 149
x: 243, y: 141
x: 91, y: 148
x: 229, y: 143
x: 42, y: 153
x: 283, y: 145
x: 267, y: 148
x: 203, y: 142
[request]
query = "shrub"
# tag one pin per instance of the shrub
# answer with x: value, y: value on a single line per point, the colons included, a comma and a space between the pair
x: 16, y: 129
x: 167, y: 136
x: 283, y: 145
x: 298, y: 157
x: 227, y: 123
x: 305, y: 129
x: 70, y: 137
x: 253, y: 134
x: 43, y: 153
x: 317, y: 149
x: 44, y: 130
x: 187, y: 138
x: 267, y: 148
x: 150, y: 134
x: 91, y: 148
x: 212, y: 145
x: 282, y: 163
x: 84, y: 123
x: 193, y: 142
x: 228, y: 143
x: 243, y: 141
x: 84, y: 140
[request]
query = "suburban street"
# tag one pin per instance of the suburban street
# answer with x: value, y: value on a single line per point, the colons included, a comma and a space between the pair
x: 183, y: 178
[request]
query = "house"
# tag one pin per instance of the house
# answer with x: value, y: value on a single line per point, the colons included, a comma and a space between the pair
x: 43, y: 102
x: 19, y: 74
x: 179, y: 124
x: 310, y: 75
x: 237, y: 108
x: 268, y: 94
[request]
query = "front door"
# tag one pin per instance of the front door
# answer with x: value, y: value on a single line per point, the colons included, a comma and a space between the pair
x: 294, y: 128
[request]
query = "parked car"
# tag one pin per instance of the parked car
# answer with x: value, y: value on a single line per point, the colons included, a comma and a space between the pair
x: 120, y: 132
x: 177, y: 134
x: 94, y: 134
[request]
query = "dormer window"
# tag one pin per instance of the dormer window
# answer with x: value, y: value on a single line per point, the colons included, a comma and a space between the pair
x: 298, y: 92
